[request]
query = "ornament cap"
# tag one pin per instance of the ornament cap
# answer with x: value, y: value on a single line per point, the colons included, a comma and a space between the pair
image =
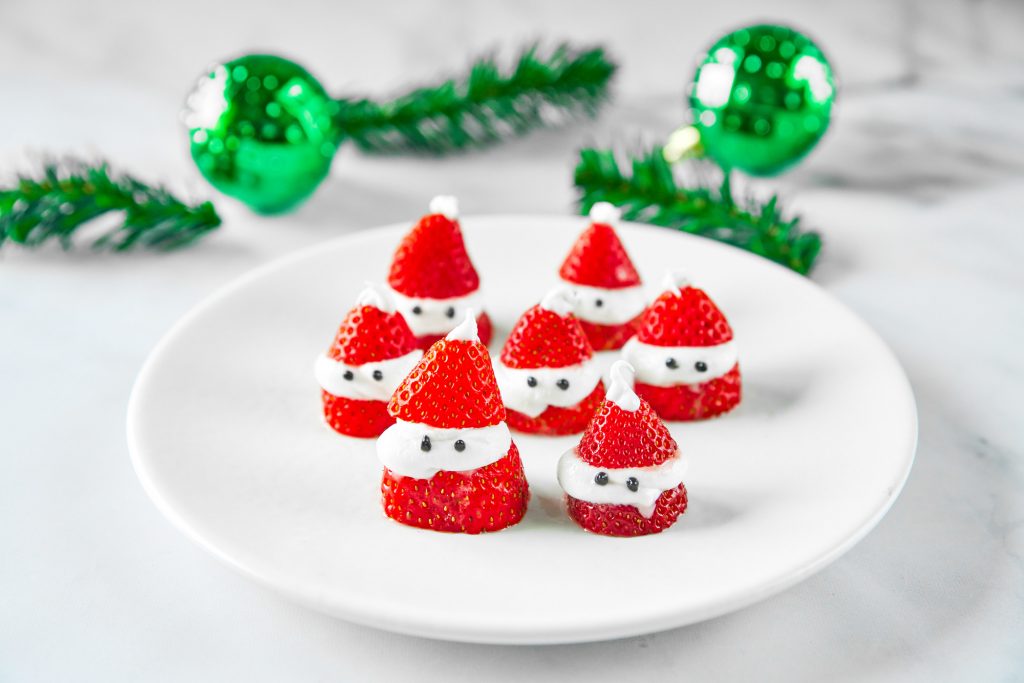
x: 446, y: 205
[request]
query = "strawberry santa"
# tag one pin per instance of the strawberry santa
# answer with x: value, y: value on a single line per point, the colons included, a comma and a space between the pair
x: 685, y: 357
x: 433, y: 280
x: 609, y: 294
x: 625, y: 478
x: 449, y: 460
x: 372, y: 352
x: 547, y: 373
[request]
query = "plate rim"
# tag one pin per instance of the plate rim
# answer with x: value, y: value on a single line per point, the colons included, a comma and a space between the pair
x: 423, y: 626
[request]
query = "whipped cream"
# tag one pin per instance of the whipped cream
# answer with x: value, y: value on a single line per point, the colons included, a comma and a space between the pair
x: 620, y: 386
x: 579, y: 479
x: 360, y: 382
x: 669, y: 366
x: 605, y: 213
x: 377, y: 296
x: 419, y: 451
x: 446, y: 205
x: 436, y: 316
x: 518, y: 394
x: 607, y: 306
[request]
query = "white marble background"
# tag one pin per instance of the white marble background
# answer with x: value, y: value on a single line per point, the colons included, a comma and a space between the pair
x: 917, y: 189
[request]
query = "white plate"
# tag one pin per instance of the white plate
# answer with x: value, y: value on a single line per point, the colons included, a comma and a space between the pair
x: 225, y: 432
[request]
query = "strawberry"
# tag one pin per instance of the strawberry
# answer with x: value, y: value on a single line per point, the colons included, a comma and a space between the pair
x: 557, y: 421
x: 625, y: 434
x: 352, y: 417
x: 368, y: 334
x: 453, y: 387
x: 598, y: 259
x: 620, y: 438
x: 626, y: 520
x: 432, y: 262
x: 542, y: 338
x: 486, y: 499
x: 686, y: 317
x: 694, y: 402
x: 371, y: 333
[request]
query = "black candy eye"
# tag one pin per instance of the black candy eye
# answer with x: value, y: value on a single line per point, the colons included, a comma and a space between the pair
x: 425, y: 444
x: 348, y: 375
x: 417, y: 310
x: 460, y: 445
x: 700, y: 366
x: 562, y: 384
x: 378, y: 375
x: 601, y: 478
x: 599, y: 302
x: 633, y: 484
x: 671, y: 364
x: 531, y: 381
x: 450, y: 312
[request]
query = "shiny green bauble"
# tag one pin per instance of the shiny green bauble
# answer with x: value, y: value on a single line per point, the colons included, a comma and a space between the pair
x: 761, y: 99
x: 262, y: 130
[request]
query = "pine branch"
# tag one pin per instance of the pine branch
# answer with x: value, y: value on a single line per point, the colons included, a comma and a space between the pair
x: 485, y: 106
x: 650, y: 193
x: 70, y: 193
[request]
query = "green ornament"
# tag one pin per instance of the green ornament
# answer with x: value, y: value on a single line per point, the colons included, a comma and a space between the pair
x: 761, y: 99
x: 262, y: 130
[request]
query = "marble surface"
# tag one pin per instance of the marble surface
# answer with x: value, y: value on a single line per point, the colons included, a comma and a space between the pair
x: 917, y: 190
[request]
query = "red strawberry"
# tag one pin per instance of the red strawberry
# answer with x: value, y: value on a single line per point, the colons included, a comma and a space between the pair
x: 484, y: 331
x: 694, y: 402
x: 352, y: 417
x: 625, y: 434
x: 432, y: 262
x: 626, y: 520
x: 687, y: 317
x: 542, y: 338
x: 453, y: 387
x: 598, y: 259
x: 369, y: 334
x: 620, y: 438
x: 487, y: 499
x: 557, y: 421
x: 609, y: 337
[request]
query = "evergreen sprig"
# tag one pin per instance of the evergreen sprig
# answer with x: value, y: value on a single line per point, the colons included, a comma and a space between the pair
x: 68, y: 194
x: 650, y: 193
x: 484, y: 106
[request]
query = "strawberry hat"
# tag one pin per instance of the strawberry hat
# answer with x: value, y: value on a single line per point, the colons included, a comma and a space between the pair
x: 453, y: 386
x: 372, y: 331
x: 683, y: 315
x: 431, y: 262
x: 625, y: 432
x: 598, y: 259
x: 547, y: 336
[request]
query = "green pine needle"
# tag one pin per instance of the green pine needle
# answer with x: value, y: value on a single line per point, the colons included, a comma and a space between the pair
x: 70, y: 193
x: 650, y: 193
x: 485, y: 106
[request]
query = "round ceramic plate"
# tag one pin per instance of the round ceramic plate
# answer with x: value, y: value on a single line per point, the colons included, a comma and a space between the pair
x: 226, y: 435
